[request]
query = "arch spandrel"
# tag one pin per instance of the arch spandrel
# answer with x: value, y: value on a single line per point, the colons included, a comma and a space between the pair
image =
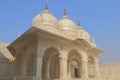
x: 50, y: 51
x: 63, y: 55
x: 46, y: 45
x: 74, y: 55
x: 80, y: 52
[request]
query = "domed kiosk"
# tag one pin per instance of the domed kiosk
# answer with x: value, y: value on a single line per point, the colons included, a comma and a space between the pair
x: 53, y: 50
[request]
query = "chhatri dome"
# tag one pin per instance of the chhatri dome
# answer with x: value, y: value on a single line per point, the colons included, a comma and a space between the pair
x: 82, y: 33
x: 45, y: 19
x: 67, y: 26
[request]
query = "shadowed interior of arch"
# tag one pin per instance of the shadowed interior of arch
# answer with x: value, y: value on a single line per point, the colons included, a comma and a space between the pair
x: 74, y: 64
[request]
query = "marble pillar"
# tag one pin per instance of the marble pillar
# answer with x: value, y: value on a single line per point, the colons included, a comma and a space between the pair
x: 96, y: 67
x: 39, y: 59
x: 24, y: 67
x: 69, y: 71
x: 48, y: 70
x: 79, y: 69
x: 63, y: 66
x: 84, y: 69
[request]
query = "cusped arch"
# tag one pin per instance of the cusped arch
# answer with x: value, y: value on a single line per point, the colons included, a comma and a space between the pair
x: 51, y: 46
x: 82, y: 54
x: 51, y: 63
x: 74, y: 55
x: 50, y: 51
x: 74, y: 59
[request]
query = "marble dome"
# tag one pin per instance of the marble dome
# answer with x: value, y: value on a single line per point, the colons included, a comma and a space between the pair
x: 83, y: 34
x: 67, y: 27
x: 45, y: 18
x: 46, y: 21
x: 67, y: 24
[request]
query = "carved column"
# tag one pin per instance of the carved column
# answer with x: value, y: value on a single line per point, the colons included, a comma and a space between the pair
x: 72, y: 71
x: 39, y: 63
x: 63, y: 65
x: 69, y: 71
x: 48, y: 69
x: 24, y: 66
x: 39, y: 59
x: 96, y: 67
x: 25, y: 60
x: 84, y: 69
x: 79, y: 69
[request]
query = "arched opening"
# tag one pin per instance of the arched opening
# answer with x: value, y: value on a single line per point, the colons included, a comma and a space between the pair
x: 75, y: 69
x: 51, y: 64
x: 74, y: 64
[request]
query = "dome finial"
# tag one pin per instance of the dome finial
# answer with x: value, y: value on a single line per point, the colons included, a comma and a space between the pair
x: 46, y: 5
x: 79, y: 27
x: 78, y: 22
x: 64, y: 11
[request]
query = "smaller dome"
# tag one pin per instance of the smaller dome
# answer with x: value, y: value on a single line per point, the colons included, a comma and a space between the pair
x: 67, y: 27
x: 83, y: 34
x: 67, y: 24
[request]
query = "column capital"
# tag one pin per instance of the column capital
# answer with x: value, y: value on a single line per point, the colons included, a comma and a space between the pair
x: 39, y: 55
x: 63, y: 65
x: 63, y: 55
x: 84, y: 60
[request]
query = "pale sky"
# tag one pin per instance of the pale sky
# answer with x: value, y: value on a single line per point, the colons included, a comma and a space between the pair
x: 101, y: 18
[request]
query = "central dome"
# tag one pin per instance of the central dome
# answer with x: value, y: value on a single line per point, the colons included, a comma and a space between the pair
x: 45, y: 18
x: 46, y: 21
